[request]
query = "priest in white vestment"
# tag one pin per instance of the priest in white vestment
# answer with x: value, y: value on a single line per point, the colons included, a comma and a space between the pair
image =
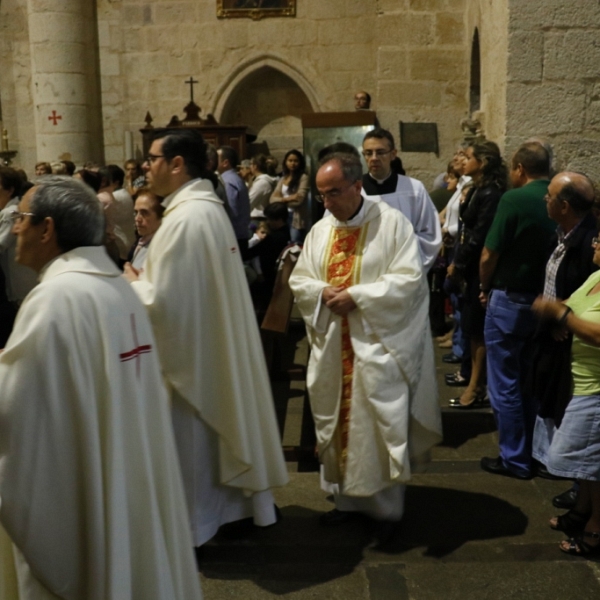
x: 195, y: 290
x: 92, y: 504
x: 406, y: 194
x: 360, y: 287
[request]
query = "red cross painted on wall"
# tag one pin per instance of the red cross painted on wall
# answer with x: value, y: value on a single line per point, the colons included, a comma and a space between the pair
x: 54, y: 117
x: 137, y: 352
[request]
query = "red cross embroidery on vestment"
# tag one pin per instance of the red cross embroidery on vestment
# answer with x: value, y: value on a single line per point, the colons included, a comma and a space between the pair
x: 137, y: 351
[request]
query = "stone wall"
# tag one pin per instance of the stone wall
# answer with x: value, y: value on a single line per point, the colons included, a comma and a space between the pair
x: 409, y: 54
x: 15, y: 82
x: 491, y: 20
x: 553, y: 79
x: 540, y: 67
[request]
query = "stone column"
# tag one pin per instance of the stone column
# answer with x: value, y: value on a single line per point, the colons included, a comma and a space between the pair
x: 65, y: 79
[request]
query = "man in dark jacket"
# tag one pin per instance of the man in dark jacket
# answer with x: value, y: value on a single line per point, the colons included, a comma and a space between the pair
x: 570, y: 200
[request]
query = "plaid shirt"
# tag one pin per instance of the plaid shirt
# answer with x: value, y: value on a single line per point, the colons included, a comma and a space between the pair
x: 555, y: 260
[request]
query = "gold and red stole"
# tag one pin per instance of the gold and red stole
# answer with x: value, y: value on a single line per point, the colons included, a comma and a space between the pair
x: 342, y: 269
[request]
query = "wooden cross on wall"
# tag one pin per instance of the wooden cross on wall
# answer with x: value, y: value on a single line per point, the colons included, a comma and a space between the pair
x: 191, y: 81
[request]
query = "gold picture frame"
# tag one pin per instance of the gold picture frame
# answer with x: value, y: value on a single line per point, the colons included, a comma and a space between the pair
x: 255, y: 9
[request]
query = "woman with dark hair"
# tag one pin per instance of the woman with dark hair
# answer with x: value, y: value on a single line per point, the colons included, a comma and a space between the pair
x: 292, y: 189
x: 90, y: 178
x: 484, y: 164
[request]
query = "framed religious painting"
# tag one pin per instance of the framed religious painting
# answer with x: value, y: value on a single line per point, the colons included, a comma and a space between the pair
x: 255, y: 9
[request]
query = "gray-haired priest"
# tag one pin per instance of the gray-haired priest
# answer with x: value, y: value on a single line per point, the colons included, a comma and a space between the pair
x: 360, y: 287
x: 91, y: 498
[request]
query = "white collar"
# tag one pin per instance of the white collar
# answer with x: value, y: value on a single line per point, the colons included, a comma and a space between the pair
x: 168, y: 199
x: 380, y: 181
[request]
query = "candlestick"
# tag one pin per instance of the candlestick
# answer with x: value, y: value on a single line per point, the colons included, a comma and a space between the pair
x: 4, y: 140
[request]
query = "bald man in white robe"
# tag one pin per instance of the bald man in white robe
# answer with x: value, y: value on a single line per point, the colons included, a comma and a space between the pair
x: 360, y: 287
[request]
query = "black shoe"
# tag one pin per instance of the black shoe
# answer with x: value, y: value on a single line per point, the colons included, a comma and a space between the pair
x: 456, y: 380
x: 336, y: 517
x: 567, y: 499
x: 451, y: 359
x: 542, y: 471
x: 496, y: 467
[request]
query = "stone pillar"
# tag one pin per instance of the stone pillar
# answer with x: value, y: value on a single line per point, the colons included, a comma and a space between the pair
x: 65, y: 79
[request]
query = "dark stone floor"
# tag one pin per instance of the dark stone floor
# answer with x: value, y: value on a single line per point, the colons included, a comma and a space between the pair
x: 466, y: 534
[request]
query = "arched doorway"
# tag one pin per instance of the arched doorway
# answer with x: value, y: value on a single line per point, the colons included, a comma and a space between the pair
x: 270, y: 103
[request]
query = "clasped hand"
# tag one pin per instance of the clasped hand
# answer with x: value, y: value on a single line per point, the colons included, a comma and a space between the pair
x: 338, y: 300
x: 130, y: 272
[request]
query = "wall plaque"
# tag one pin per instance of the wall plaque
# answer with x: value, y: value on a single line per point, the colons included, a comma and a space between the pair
x: 418, y: 137
x: 255, y: 9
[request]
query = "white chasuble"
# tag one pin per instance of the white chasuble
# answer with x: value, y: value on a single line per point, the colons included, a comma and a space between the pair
x: 199, y: 303
x: 90, y: 489
x: 372, y: 387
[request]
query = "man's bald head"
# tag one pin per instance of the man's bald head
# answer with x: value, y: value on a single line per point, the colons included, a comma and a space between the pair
x: 339, y: 182
x: 576, y: 189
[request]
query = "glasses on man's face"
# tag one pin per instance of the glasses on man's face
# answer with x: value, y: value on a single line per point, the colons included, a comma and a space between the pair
x: 150, y: 158
x: 595, y: 241
x: 332, y: 194
x: 17, y: 216
x: 375, y: 153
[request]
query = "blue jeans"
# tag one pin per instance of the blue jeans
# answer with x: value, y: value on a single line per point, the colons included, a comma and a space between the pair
x: 509, y: 326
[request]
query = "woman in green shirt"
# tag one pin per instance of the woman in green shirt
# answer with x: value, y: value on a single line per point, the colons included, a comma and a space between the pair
x: 575, y: 448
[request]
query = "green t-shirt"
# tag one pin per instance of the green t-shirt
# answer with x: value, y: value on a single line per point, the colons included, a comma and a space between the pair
x: 521, y: 234
x: 585, y: 359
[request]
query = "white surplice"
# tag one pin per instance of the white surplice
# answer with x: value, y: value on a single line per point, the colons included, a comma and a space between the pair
x: 90, y: 489
x: 413, y: 201
x: 197, y: 296
x: 394, y: 416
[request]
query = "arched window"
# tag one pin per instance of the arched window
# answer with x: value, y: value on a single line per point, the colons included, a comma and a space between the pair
x: 475, y: 85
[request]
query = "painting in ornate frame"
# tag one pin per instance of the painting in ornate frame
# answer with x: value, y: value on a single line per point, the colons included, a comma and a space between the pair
x: 255, y: 9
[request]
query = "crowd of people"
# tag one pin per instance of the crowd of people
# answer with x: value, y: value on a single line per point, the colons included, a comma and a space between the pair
x: 519, y: 268
x: 188, y: 236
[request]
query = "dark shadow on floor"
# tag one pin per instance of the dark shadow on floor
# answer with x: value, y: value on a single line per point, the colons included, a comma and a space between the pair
x: 459, y: 426
x: 442, y: 520
x: 295, y: 554
x: 298, y: 553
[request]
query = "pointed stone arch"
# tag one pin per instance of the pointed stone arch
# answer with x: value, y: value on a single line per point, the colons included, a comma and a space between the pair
x: 269, y: 96
x: 248, y: 67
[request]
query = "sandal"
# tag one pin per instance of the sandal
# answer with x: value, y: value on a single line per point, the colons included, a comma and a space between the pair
x: 578, y: 547
x: 478, y: 402
x: 456, y: 380
x: 571, y: 522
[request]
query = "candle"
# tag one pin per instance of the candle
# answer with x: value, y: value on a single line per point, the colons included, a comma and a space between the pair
x: 4, y: 140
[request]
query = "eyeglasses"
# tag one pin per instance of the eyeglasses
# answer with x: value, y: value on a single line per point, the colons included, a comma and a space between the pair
x: 17, y: 216
x: 595, y: 241
x: 332, y: 194
x: 150, y: 158
x: 376, y: 153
